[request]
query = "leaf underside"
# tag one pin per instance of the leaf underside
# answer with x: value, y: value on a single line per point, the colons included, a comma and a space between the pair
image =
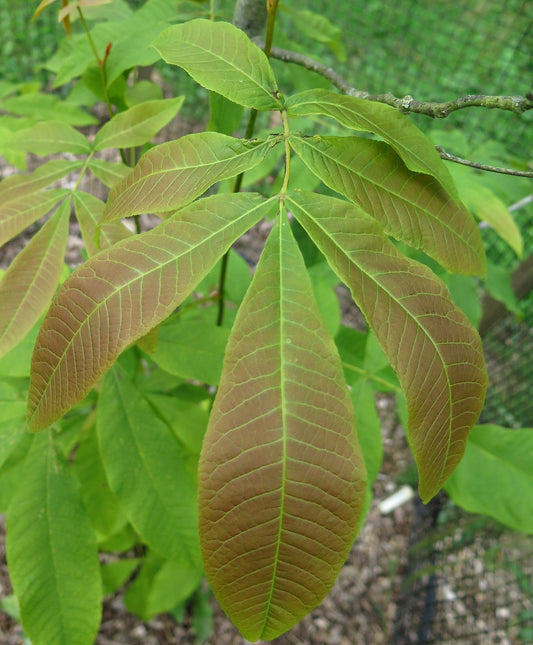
x: 281, y: 478
x: 30, y: 282
x: 429, y: 342
x: 412, y: 207
x: 174, y: 173
x: 123, y: 292
x: 223, y: 59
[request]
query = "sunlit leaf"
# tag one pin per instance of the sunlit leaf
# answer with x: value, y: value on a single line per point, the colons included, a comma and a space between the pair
x: 431, y: 345
x: 89, y: 211
x: 48, y: 137
x: 17, y: 214
x: 174, y: 173
x: 72, y: 7
x: 29, y: 283
x: 42, y: 6
x: 281, y: 477
x: 136, y: 126
x: 223, y: 59
x: 495, y: 476
x: 146, y: 470
x: 416, y: 150
x: 121, y: 293
x: 412, y: 207
x: 52, y: 554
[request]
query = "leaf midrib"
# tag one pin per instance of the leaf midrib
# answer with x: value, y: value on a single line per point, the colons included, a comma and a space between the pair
x: 284, y: 429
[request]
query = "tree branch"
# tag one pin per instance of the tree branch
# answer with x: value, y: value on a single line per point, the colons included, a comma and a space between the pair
x: 481, y: 166
x: 516, y: 104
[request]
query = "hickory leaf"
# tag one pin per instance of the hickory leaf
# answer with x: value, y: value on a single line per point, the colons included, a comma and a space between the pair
x: 429, y: 342
x: 18, y: 213
x: 123, y: 292
x: 416, y: 150
x: 136, y: 126
x: 28, y: 285
x: 146, y: 470
x: 108, y: 172
x: 223, y: 59
x: 48, y: 137
x: 52, y: 554
x: 412, y: 207
x: 281, y: 477
x: 495, y: 476
x: 174, y: 173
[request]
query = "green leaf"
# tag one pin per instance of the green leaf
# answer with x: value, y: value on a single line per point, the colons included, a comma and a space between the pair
x: 368, y: 427
x: 136, y: 126
x: 123, y: 292
x: 224, y: 115
x: 192, y: 349
x: 146, y: 470
x: 12, y: 422
x: 142, y: 91
x: 107, y: 172
x: 18, y: 213
x: 412, y: 207
x: 115, y: 574
x: 174, y: 173
x: 47, y: 107
x: 17, y: 362
x: 429, y: 342
x: 102, y: 506
x: 89, y: 211
x: 30, y: 282
x: 223, y: 59
x: 281, y: 478
x: 52, y: 554
x: 464, y: 292
x: 411, y: 144
x: 317, y: 27
x: 48, y: 137
x: 500, y: 287
x: 487, y: 207
x: 188, y: 420
x: 495, y: 476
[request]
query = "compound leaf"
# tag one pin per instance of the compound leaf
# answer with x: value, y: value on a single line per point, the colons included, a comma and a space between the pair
x: 146, y: 469
x: 123, y: 292
x: 174, y: 173
x: 434, y: 350
x: 221, y: 58
x: 17, y: 186
x: 412, y: 207
x: 136, y: 126
x: 416, y: 150
x: 51, y: 550
x: 28, y: 285
x: 281, y: 477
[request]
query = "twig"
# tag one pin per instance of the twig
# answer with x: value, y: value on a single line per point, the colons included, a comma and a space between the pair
x: 520, y: 204
x: 516, y: 104
x: 481, y: 166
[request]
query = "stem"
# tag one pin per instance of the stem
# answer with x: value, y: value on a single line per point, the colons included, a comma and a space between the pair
x: 372, y: 377
x: 99, y: 61
x: 272, y: 6
x: 286, y: 134
x: 481, y: 166
x: 83, y: 171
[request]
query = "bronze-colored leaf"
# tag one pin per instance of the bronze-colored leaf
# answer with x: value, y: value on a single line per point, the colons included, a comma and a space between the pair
x: 435, y: 351
x: 281, y: 477
x: 123, y: 292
